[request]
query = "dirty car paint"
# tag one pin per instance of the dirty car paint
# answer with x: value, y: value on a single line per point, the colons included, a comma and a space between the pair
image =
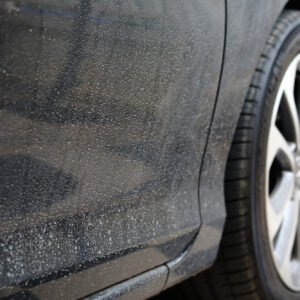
x: 105, y: 108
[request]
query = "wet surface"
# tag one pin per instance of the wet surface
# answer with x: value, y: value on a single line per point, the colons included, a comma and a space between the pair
x: 105, y: 108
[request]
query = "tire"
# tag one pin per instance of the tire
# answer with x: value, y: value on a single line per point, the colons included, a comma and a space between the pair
x: 246, y: 267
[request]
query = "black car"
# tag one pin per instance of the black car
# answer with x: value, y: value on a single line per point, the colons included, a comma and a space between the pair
x: 149, y: 146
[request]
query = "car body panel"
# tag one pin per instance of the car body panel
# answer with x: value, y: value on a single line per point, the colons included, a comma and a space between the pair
x: 105, y: 110
x: 139, y: 287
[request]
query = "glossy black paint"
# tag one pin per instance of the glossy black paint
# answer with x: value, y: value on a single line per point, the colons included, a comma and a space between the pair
x: 105, y: 110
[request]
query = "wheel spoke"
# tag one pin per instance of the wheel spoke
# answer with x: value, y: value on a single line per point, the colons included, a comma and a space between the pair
x: 277, y: 143
x: 278, y: 202
x: 286, y: 238
x: 288, y: 87
x: 289, y: 78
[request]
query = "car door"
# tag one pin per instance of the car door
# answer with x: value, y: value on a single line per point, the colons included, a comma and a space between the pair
x: 105, y: 110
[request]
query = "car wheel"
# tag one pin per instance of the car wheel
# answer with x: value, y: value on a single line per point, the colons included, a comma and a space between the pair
x: 259, y: 256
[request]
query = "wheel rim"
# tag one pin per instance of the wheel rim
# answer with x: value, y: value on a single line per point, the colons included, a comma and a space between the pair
x: 283, y: 179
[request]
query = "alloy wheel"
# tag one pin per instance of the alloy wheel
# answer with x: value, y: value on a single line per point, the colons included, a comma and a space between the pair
x: 283, y: 179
